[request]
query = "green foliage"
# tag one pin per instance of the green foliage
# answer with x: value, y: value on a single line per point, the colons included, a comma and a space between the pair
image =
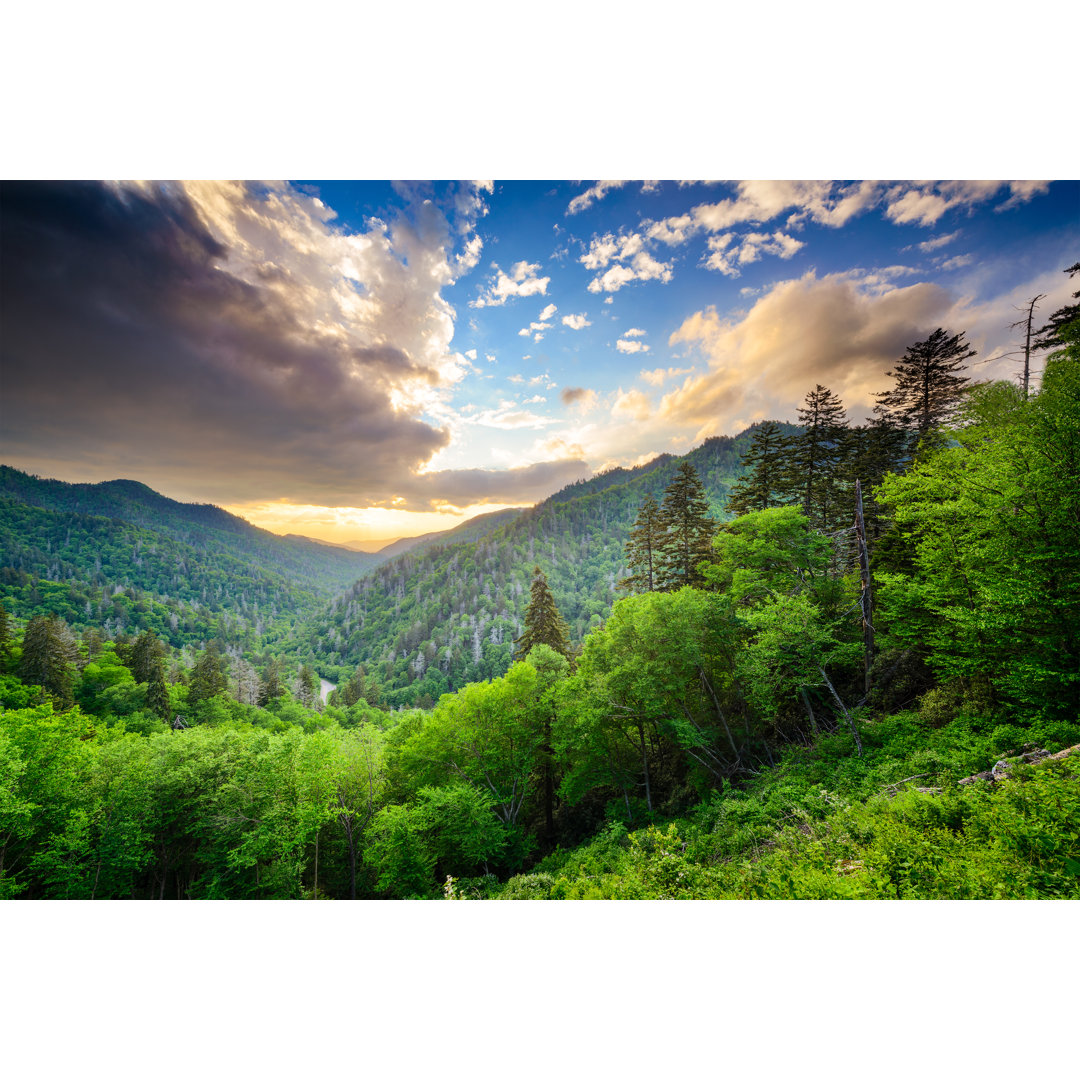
x: 994, y: 523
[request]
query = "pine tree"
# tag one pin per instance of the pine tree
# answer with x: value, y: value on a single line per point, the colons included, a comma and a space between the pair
x: 1050, y: 336
x: 271, y: 688
x: 207, y: 676
x: 928, y: 389
x: 144, y: 655
x: 689, y: 531
x: 543, y: 623
x: 48, y: 652
x: 157, y: 693
x: 765, y: 485
x: 5, y: 633
x: 643, y: 548
x: 871, y: 452
x: 816, y: 453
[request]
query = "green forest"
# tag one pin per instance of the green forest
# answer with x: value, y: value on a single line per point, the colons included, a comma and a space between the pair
x: 816, y: 660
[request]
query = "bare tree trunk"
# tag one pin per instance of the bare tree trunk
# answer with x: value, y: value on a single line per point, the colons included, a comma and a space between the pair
x: 645, y: 765
x: 843, y: 709
x: 809, y: 711
x: 866, y: 599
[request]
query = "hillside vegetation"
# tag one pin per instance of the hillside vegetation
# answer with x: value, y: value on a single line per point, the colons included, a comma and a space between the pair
x: 803, y: 689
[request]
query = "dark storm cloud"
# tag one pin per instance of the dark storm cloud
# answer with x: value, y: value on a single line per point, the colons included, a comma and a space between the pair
x: 130, y: 348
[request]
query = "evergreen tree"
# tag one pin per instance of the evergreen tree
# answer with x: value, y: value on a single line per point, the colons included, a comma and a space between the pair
x: 765, y: 484
x: 207, y: 676
x: 5, y: 633
x: 815, y: 455
x: 1050, y: 335
x: 543, y: 623
x: 48, y: 652
x: 871, y: 453
x: 144, y: 656
x: 689, y: 530
x: 928, y: 389
x: 271, y: 687
x: 306, y: 687
x: 157, y: 693
x: 643, y: 548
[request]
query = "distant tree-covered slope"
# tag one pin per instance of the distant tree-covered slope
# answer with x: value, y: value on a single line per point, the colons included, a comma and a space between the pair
x: 432, y: 620
x: 122, y: 555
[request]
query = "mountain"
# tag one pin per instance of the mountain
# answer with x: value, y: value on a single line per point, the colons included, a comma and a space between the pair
x: 122, y: 553
x: 447, y: 612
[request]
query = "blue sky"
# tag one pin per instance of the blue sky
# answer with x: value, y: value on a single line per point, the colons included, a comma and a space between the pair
x: 365, y: 359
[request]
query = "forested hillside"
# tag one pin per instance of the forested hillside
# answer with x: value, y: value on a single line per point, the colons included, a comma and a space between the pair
x: 120, y: 556
x: 434, y: 620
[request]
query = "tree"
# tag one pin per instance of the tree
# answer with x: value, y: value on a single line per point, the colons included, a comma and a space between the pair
x: 765, y: 484
x: 271, y: 686
x: 207, y: 676
x: 5, y: 633
x: 143, y: 656
x: 543, y: 623
x: 643, y: 548
x: 993, y: 518
x: 48, y: 653
x: 816, y: 453
x: 928, y: 390
x: 684, y: 514
x: 1050, y: 336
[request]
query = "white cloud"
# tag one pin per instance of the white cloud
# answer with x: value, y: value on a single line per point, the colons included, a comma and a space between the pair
x: 593, y: 194
x: 548, y: 312
x: 642, y: 267
x: 576, y: 322
x: 631, y: 346
x: 924, y: 203
x: 536, y: 399
x: 471, y: 354
x: 521, y: 281
x: 936, y: 242
x: 509, y: 417
x: 957, y: 261
x: 634, y: 331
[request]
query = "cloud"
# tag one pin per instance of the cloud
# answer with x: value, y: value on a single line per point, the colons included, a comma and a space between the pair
x: 517, y: 486
x: 957, y: 261
x: 225, y: 341
x: 936, y: 242
x: 509, y: 417
x: 577, y: 397
x: 633, y: 405
x: 548, y: 312
x: 521, y: 281
x: 658, y: 376
x: 836, y: 331
x: 625, y: 346
x: 925, y: 203
x: 634, y: 331
x: 642, y: 267
x: 748, y: 249
x: 576, y: 322
x: 601, y: 188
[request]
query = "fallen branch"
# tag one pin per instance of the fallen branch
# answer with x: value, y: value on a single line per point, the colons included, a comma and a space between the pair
x: 1002, y: 768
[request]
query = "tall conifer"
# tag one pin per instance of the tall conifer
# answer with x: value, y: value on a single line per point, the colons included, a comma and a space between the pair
x: 928, y: 388
x: 644, y: 547
x: 689, y: 531
x: 816, y: 453
x: 543, y: 623
x: 765, y: 484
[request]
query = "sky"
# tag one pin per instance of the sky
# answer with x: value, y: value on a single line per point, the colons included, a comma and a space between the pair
x: 366, y: 360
